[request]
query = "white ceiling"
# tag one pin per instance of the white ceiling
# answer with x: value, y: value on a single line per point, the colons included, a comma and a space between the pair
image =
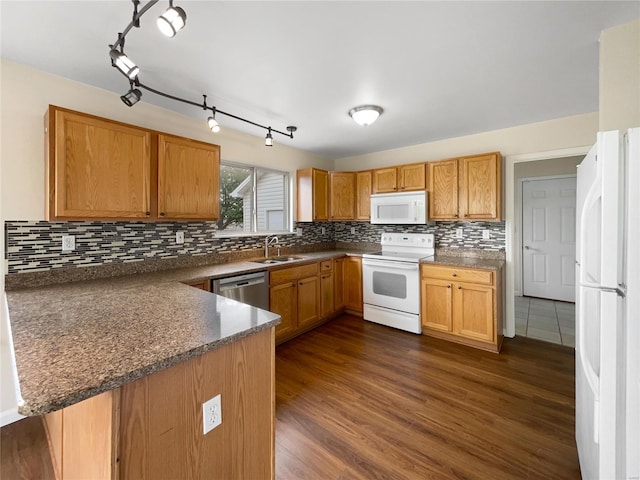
x: 439, y: 69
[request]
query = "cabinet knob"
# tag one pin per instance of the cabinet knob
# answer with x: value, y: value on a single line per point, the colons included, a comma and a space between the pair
x: 459, y: 287
x: 455, y: 215
x: 449, y: 286
x: 148, y: 214
x: 454, y: 274
x: 162, y: 214
x: 465, y: 215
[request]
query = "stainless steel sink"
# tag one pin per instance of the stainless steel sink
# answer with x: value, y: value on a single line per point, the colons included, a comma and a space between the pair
x: 276, y: 260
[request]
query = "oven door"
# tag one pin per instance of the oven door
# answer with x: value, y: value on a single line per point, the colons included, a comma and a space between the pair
x: 391, y: 284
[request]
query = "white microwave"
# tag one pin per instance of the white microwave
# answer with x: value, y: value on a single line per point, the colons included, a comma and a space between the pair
x: 399, y: 208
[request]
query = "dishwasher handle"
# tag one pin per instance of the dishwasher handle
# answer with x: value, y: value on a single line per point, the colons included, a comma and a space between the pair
x: 231, y: 283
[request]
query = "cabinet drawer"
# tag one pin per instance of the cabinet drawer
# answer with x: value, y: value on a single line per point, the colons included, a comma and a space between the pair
x: 458, y: 274
x: 326, y: 265
x: 289, y: 274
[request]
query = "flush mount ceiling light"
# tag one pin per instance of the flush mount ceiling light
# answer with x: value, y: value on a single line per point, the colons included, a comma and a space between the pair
x: 365, y: 114
x: 169, y: 23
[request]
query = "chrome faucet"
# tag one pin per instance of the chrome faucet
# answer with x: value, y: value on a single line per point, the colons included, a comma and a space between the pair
x: 269, y: 241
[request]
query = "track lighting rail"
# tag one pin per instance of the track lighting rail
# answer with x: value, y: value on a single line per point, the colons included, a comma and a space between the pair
x: 129, y: 69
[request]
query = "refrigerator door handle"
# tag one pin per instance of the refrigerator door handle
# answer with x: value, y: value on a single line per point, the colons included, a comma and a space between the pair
x: 592, y: 378
x: 590, y: 200
x: 621, y: 290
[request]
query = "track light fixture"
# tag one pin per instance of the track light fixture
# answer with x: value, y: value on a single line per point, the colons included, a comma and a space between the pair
x: 172, y: 20
x: 169, y: 23
x: 132, y: 97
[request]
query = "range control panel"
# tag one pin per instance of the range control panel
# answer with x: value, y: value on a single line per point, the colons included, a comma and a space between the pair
x: 415, y: 240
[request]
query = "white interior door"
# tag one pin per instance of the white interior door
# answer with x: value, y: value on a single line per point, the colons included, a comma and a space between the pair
x: 549, y: 238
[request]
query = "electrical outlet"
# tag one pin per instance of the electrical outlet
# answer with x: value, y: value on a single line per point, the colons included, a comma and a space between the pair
x: 353, y: 230
x: 180, y: 237
x: 68, y: 243
x: 323, y: 230
x: 458, y: 233
x: 486, y: 234
x: 299, y: 231
x: 211, y: 414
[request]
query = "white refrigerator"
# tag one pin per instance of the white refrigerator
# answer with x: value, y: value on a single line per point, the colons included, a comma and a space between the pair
x: 607, y: 308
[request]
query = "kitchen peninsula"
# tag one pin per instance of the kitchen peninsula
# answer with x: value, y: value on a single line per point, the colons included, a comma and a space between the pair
x: 120, y: 368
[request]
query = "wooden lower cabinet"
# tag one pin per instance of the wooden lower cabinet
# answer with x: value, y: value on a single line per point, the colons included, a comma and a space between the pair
x: 327, y: 306
x: 202, y: 284
x: 308, y: 300
x: 463, y: 305
x: 151, y: 428
x: 283, y: 300
x: 338, y: 284
x: 353, y: 284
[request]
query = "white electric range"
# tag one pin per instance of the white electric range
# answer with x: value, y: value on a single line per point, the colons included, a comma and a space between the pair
x: 391, y: 280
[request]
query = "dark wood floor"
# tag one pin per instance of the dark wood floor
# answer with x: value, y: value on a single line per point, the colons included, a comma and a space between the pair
x: 357, y: 400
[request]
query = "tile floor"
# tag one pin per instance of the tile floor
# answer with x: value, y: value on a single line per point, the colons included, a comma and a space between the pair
x: 547, y: 320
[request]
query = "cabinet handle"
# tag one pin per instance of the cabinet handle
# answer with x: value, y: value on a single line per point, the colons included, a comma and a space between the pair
x: 162, y: 214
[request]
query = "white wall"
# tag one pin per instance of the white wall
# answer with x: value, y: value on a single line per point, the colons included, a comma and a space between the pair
x: 25, y: 96
x: 545, y: 136
x: 539, y: 168
x: 620, y: 77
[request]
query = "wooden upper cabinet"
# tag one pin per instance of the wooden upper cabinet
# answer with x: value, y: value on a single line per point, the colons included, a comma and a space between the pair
x: 363, y: 195
x: 481, y: 187
x: 96, y: 169
x: 385, y: 180
x: 443, y: 189
x: 343, y: 195
x: 412, y: 177
x: 188, y: 179
x: 313, y: 195
x: 402, y: 178
x: 467, y: 188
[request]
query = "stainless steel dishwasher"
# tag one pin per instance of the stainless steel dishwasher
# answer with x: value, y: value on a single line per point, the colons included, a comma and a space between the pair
x: 250, y: 288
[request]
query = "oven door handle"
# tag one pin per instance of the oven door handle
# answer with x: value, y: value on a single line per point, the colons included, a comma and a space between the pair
x: 395, y: 265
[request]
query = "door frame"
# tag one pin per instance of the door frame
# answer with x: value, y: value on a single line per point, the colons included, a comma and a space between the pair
x: 509, y: 216
x: 517, y: 263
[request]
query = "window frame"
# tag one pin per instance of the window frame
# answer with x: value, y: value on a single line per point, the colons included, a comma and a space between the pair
x: 287, y: 202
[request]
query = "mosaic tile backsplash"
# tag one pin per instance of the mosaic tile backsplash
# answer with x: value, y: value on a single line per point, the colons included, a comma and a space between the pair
x: 36, y: 246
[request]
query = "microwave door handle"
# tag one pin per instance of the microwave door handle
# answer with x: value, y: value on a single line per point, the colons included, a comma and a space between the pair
x: 415, y: 210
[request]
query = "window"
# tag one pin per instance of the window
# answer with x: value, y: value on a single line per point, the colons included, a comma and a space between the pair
x: 253, y: 199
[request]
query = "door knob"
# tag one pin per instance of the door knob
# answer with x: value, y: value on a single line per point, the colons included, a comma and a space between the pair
x: 526, y: 247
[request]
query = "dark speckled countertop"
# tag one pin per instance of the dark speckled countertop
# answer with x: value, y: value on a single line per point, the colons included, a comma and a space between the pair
x: 76, y: 340
x: 460, y: 261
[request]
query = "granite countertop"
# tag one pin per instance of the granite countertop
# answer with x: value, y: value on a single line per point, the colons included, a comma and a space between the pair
x: 462, y: 261
x: 76, y: 340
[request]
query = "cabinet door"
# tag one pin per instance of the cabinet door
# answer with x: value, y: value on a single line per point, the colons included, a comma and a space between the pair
x: 320, y: 195
x: 343, y: 195
x: 308, y: 300
x: 413, y: 177
x: 436, y: 304
x: 338, y: 284
x: 97, y: 168
x: 473, y: 311
x: 188, y: 179
x: 385, y: 180
x: 353, y: 283
x: 283, y: 300
x: 480, y: 187
x: 363, y: 195
x: 326, y: 295
x: 443, y: 190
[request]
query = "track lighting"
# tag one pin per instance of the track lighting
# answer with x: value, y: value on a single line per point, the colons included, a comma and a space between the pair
x: 169, y: 23
x: 132, y: 97
x: 365, y: 114
x: 124, y: 64
x: 172, y: 20
x: 213, y: 124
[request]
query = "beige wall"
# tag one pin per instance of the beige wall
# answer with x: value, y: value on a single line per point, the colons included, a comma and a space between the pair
x: 25, y: 95
x: 538, y: 168
x: 556, y: 134
x: 620, y: 77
